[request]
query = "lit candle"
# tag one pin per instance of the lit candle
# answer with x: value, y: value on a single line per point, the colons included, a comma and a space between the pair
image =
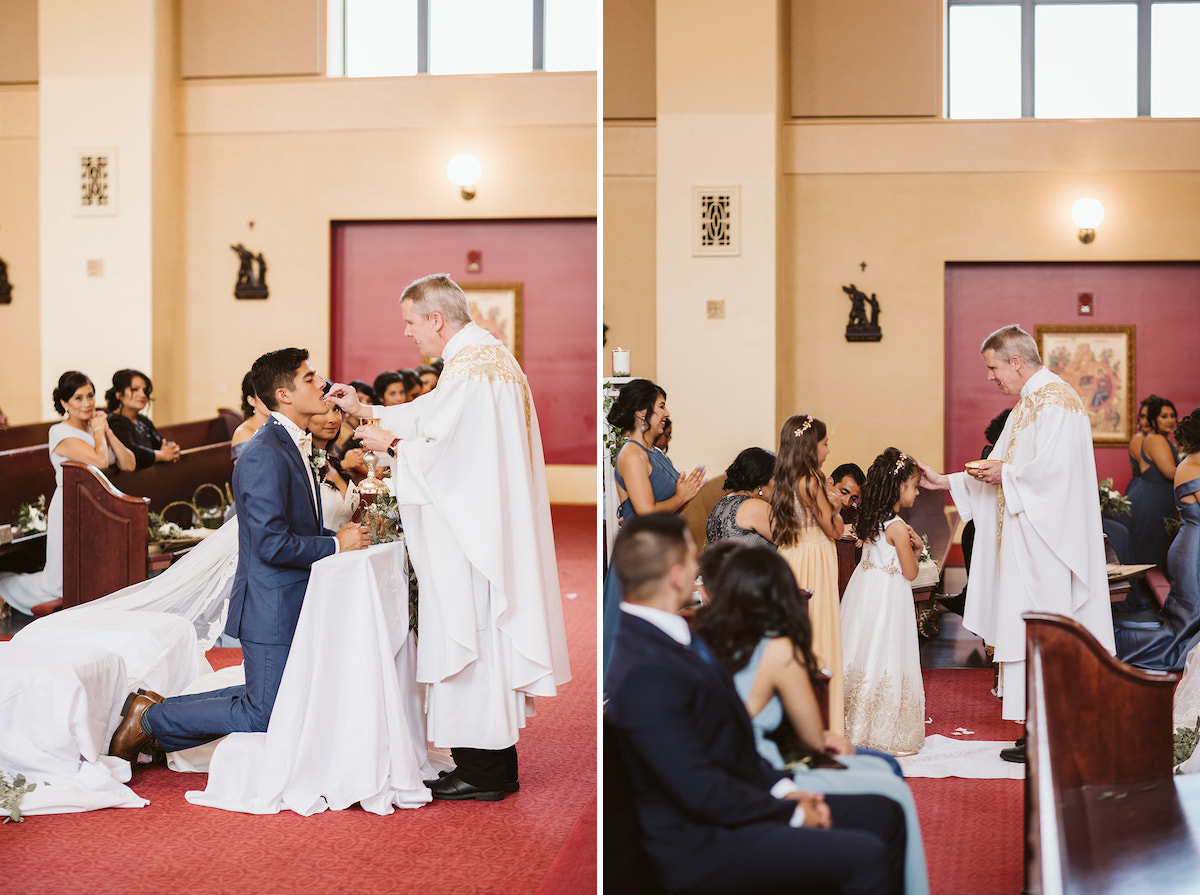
x: 620, y: 363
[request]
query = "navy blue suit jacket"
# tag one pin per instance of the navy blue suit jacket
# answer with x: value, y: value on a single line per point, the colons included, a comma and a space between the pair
x: 689, y: 750
x: 280, y: 536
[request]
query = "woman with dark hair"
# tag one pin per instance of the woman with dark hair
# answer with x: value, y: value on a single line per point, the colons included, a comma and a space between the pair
x: 1139, y: 435
x: 1166, y: 643
x: 429, y: 378
x: 84, y: 436
x: 647, y: 482
x: 389, y: 386
x: 744, y: 514
x: 756, y: 627
x: 805, y: 523
x: 128, y: 397
x: 1151, y: 494
x: 413, y: 388
x: 255, y: 413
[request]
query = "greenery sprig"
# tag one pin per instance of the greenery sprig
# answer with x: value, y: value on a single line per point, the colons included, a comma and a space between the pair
x: 12, y: 793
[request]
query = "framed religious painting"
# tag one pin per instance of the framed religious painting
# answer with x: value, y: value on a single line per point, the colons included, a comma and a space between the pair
x: 497, y: 308
x: 1098, y: 362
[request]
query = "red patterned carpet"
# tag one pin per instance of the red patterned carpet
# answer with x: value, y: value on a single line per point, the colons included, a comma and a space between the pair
x: 972, y: 828
x: 542, y: 839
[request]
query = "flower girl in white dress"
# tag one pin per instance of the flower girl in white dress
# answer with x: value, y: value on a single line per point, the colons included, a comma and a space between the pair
x: 885, y: 696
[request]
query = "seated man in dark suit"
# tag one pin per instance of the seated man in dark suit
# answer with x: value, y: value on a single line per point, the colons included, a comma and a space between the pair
x: 715, y: 817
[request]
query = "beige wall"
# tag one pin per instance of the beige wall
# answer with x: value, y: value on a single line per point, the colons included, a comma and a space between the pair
x: 903, y: 196
x: 629, y: 256
x: 237, y: 38
x: 18, y: 42
x: 949, y: 191
x: 20, y: 357
x: 629, y: 60
x: 292, y: 155
x: 866, y: 58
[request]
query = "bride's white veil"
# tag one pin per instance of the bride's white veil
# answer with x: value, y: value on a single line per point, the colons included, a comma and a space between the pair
x: 197, y: 587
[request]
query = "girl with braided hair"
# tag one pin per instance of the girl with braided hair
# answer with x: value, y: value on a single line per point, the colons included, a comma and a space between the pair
x: 885, y: 696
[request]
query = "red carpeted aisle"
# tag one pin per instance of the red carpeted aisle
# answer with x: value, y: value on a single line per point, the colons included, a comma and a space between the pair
x: 540, y: 839
x: 972, y: 828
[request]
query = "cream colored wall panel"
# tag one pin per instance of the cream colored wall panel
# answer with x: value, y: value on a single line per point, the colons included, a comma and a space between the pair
x: 18, y: 41
x: 20, y: 359
x: 629, y: 274
x: 233, y: 38
x: 866, y: 58
x: 1001, y: 146
x: 343, y: 104
x: 19, y: 113
x: 629, y: 150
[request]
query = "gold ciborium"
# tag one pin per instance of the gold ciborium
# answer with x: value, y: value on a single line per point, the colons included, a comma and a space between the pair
x: 370, y: 487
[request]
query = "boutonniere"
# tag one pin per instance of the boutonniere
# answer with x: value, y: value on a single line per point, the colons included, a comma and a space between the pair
x: 317, y: 461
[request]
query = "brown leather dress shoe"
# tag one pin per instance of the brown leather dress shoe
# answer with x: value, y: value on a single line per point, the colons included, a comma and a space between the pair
x: 151, y: 694
x: 129, y: 738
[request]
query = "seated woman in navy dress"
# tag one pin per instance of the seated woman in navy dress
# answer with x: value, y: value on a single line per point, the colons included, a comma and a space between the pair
x: 1165, y: 643
x: 1151, y: 493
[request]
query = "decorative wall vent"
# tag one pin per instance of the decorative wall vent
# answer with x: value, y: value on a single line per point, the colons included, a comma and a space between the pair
x: 716, y: 216
x: 97, y: 174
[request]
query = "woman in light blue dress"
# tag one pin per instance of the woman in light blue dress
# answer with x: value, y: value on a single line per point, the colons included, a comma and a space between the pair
x: 757, y: 627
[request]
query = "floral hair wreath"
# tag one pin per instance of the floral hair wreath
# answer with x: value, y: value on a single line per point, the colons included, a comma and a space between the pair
x: 900, y: 463
x: 807, y: 423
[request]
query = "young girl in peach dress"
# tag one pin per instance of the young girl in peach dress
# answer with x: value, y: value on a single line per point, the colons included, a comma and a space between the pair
x: 805, y: 522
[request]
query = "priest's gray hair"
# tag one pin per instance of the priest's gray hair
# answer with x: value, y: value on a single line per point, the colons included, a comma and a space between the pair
x: 1012, y: 341
x: 437, y: 292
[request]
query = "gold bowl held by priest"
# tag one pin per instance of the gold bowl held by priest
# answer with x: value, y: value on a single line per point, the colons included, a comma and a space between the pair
x: 978, y: 465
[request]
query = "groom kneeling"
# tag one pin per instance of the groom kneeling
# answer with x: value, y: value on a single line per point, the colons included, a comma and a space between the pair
x: 280, y: 536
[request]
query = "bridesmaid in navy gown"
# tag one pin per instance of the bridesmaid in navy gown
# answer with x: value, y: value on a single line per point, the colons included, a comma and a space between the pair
x: 1166, y: 643
x: 1151, y: 493
x: 647, y: 481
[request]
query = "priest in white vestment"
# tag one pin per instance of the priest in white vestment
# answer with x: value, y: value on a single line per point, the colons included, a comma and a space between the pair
x: 1039, y: 546
x: 470, y: 479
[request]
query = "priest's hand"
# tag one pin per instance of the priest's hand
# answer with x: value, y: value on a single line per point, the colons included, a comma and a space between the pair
x: 989, y: 472
x: 353, y: 537
x: 931, y: 480
x: 374, y: 438
x: 345, y: 397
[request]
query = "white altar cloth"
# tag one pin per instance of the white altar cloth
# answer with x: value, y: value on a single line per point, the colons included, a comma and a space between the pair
x: 348, y: 723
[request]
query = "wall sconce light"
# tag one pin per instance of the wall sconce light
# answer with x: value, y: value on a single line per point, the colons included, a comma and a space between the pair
x: 1087, y: 215
x: 464, y: 170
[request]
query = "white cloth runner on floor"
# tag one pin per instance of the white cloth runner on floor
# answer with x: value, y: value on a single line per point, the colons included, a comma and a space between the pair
x: 953, y: 757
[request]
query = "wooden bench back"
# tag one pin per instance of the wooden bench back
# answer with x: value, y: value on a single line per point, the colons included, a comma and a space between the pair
x: 164, y: 483
x: 1098, y: 783
x: 26, y: 435
x: 25, y: 475
x: 104, y: 535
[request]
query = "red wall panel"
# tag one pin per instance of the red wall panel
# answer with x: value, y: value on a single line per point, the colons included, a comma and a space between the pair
x: 1161, y: 299
x: 373, y: 261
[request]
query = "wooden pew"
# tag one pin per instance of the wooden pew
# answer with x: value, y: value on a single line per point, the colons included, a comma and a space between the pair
x: 164, y: 483
x: 27, y: 435
x: 1103, y: 814
x: 104, y: 535
x: 105, y: 526
x: 25, y: 475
